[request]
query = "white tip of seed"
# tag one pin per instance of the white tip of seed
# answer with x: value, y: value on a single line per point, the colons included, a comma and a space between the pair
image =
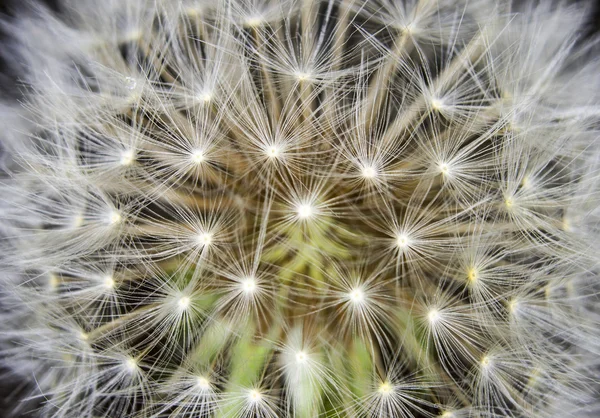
x: 254, y: 396
x: 131, y: 365
x: 273, y: 151
x: 130, y: 83
x: 385, y: 388
x: 302, y: 76
x: 357, y: 296
x: 109, y: 282
x: 402, y: 241
x: 305, y: 211
x: 248, y: 285
x: 444, y: 168
x: 254, y: 21
x: 197, y: 157
x: 203, y: 383
x: 204, y: 239
x: 301, y: 357
x: 437, y: 104
x: 369, y: 172
x: 127, y: 157
x: 114, y: 218
x: 486, y: 362
x: 205, y: 97
x: 433, y: 316
x: 183, y: 303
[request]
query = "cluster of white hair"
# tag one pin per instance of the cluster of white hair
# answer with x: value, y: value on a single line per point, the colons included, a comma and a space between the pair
x: 302, y: 208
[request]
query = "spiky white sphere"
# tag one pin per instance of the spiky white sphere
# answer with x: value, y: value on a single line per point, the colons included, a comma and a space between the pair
x: 302, y: 208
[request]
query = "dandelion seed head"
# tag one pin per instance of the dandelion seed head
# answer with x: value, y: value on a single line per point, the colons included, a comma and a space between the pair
x: 274, y: 208
x: 77, y: 221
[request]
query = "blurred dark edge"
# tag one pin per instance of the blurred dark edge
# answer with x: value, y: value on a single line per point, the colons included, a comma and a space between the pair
x: 9, y: 90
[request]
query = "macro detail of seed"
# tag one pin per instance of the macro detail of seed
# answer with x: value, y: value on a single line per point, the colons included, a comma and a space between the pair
x: 301, y: 208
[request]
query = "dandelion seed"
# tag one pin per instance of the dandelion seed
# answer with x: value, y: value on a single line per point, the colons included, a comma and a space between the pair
x: 402, y: 241
x: 130, y: 83
x: 472, y: 275
x: 385, y: 389
x: 205, y: 97
x: 437, y: 104
x: 131, y: 365
x: 513, y: 306
x: 254, y: 396
x: 357, y: 296
x: 369, y: 172
x: 254, y: 22
x: 203, y: 383
x: 486, y: 362
x: 301, y: 357
x: 197, y: 157
x: 566, y: 225
x: 273, y: 151
x: 53, y: 282
x: 204, y: 239
x: 248, y: 285
x: 301, y: 76
x: 127, y: 157
x: 305, y: 211
x: 433, y: 316
x: 77, y: 221
x: 184, y: 303
x: 109, y: 282
x: 114, y: 218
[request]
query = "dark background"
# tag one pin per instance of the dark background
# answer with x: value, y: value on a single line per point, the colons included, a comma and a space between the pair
x: 9, y: 9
